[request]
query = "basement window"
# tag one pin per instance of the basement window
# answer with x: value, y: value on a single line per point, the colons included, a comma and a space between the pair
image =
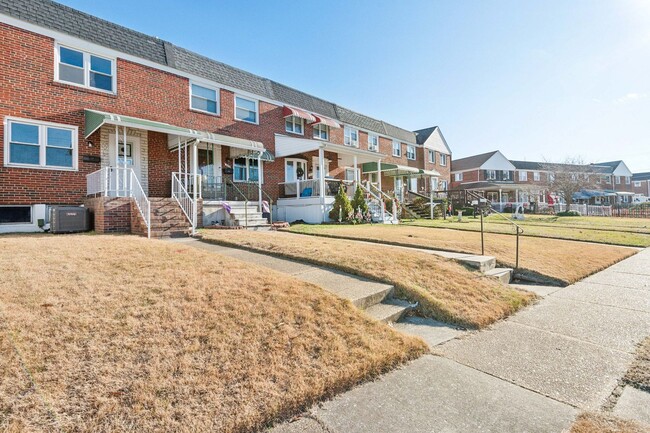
x: 15, y: 214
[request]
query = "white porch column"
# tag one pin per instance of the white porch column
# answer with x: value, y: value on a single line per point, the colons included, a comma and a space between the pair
x: 195, y: 176
x: 321, y: 181
x: 259, y: 179
x: 356, y: 172
x: 379, y: 174
x: 117, y: 160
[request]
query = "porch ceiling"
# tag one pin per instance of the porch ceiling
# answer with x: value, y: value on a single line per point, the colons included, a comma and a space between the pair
x: 289, y: 146
x: 95, y: 119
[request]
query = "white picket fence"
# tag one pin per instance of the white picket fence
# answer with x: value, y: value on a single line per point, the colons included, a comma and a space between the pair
x: 585, y: 209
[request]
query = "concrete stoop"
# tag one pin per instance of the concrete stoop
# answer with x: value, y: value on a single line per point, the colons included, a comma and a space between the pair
x: 487, y: 266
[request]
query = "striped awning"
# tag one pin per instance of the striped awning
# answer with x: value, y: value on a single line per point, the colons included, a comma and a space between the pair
x: 266, y: 156
x: 293, y: 111
x: 327, y: 121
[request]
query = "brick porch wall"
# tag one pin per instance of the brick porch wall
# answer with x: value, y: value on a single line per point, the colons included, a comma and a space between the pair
x: 110, y: 214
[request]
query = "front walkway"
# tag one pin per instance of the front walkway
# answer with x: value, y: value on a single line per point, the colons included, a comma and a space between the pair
x: 532, y: 372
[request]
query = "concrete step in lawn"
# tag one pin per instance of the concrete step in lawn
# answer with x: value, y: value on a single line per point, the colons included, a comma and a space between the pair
x: 502, y: 274
x: 389, y: 310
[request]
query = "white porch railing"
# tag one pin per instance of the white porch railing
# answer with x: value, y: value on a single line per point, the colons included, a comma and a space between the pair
x: 308, y: 188
x: 120, y: 182
x: 585, y: 209
x: 184, y: 199
x: 386, y: 216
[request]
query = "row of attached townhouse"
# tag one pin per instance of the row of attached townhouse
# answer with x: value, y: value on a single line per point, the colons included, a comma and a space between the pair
x: 97, y: 114
x: 509, y: 183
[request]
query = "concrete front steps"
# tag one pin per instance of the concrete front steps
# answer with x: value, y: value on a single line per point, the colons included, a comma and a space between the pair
x: 246, y: 215
x: 167, y: 219
x: 487, y: 265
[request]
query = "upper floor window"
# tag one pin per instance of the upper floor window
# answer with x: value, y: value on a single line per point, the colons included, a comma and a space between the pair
x: 205, y: 99
x: 637, y: 184
x: 505, y: 174
x: 294, y: 125
x: 246, y: 109
x: 536, y: 176
x: 350, y: 137
x: 321, y: 131
x: 397, y: 148
x: 373, y: 142
x: 443, y: 159
x: 410, y: 152
x: 85, y: 69
x: 458, y: 177
x: 490, y: 174
x: 41, y: 145
x: 523, y: 176
x: 432, y: 156
x: 628, y: 180
x: 618, y: 180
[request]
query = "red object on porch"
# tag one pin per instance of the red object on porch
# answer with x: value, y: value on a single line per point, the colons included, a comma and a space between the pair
x: 293, y: 111
x: 327, y: 121
x: 549, y: 199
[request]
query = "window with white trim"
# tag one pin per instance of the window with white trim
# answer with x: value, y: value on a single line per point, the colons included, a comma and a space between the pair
x: 293, y: 124
x: 373, y: 143
x: 204, y: 99
x: 490, y: 174
x: 432, y: 156
x: 443, y: 159
x: 350, y: 136
x: 443, y: 185
x: 618, y: 180
x: 523, y: 176
x: 322, y: 132
x: 536, y: 176
x: 40, y: 145
x: 628, y: 180
x: 15, y: 214
x: 245, y: 170
x: 246, y: 109
x: 637, y: 184
x: 410, y: 152
x: 295, y: 169
x: 458, y: 177
x: 85, y: 69
x: 397, y: 148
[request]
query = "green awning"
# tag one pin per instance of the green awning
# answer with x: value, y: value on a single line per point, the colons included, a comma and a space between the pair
x: 390, y: 169
x: 95, y: 119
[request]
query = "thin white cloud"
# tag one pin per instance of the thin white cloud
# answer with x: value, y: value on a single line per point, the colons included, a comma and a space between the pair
x: 631, y: 97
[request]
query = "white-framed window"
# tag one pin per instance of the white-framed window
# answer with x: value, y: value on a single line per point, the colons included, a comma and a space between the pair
x: 443, y: 159
x: 373, y: 143
x: 40, y: 145
x: 397, y: 148
x: 350, y: 137
x: 204, y: 99
x: 628, y: 180
x: 551, y: 177
x: 536, y: 176
x: 443, y: 185
x: 432, y: 156
x: 245, y: 170
x: 458, y: 177
x: 295, y: 169
x: 85, y: 69
x: 637, y: 184
x: 618, y: 180
x: 490, y: 174
x: 294, y: 125
x: 410, y: 152
x: 523, y: 176
x: 15, y: 214
x: 322, y: 132
x: 246, y: 109
x: 505, y: 175
x: 350, y: 174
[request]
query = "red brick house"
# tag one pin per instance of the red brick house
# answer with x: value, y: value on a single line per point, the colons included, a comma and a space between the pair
x: 135, y: 127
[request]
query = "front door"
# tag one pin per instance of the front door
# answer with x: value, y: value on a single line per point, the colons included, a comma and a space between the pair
x: 399, y: 188
x: 120, y: 157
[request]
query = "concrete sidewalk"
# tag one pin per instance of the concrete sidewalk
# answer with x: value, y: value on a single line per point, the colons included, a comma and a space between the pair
x: 531, y: 373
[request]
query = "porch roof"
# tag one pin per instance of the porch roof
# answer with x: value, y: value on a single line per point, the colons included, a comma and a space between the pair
x: 398, y: 170
x: 288, y: 146
x: 95, y: 119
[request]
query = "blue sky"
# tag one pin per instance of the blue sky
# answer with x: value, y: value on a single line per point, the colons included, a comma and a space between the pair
x: 538, y: 80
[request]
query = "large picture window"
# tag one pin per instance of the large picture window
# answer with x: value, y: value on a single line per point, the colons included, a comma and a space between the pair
x: 40, y: 145
x: 85, y: 69
x: 246, y: 170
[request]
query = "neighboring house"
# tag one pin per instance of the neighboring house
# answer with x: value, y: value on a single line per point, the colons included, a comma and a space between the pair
x: 641, y: 185
x: 95, y: 113
x: 509, y: 183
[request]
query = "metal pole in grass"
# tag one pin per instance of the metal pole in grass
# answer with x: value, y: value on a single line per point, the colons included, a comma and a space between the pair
x: 517, y: 252
x: 482, y: 241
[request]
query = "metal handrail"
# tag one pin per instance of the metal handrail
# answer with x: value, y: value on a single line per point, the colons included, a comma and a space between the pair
x: 518, y: 229
x: 141, y: 199
x: 364, y: 186
x: 235, y: 188
x: 383, y: 196
x: 184, y: 199
x: 264, y: 193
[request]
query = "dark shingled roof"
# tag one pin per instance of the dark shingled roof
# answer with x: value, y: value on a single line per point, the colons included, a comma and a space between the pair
x: 470, y: 162
x: 641, y: 176
x: 421, y: 135
x: 546, y: 166
x: 64, y: 19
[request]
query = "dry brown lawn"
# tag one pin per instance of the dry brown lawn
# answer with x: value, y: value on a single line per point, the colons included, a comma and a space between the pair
x: 638, y: 375
x: 444, y: 289
x: 591, y: 422
x: 122, y: 334
x: 563, y: 261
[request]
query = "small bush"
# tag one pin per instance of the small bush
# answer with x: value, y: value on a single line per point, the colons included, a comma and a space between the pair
x: 359, y: 202
x: 342, y: 209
